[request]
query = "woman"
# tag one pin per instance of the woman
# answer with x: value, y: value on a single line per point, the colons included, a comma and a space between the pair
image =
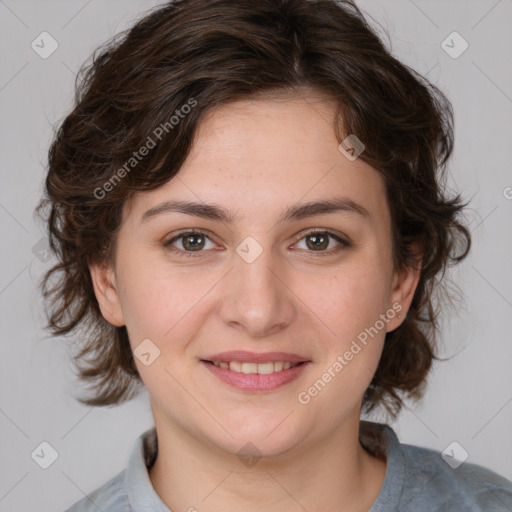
x: 248, y: 206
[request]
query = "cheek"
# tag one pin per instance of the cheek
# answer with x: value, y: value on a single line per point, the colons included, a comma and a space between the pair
x: 150, y: 300
x: 354, y: 299
x: 166, y: 309
x: 164, y: 304
x: 351, y: 306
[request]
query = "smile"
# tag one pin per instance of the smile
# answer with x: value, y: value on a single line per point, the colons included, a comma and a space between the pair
x: 260, y: 368
x: 256, y: 377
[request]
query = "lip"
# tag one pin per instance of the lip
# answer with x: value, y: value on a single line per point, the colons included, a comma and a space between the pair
x: 256, y: 382
x: 244, y: 356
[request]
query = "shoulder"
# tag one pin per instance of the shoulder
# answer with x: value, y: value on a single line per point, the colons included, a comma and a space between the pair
x: 130, y: 489
x: 430, y: 479
x: 421, y: 479
x: 110, y: 496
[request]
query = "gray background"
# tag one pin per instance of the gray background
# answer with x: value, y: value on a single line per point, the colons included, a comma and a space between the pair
x: 469, y: 399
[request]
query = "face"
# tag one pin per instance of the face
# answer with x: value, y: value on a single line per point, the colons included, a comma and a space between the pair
x: 315, y: 286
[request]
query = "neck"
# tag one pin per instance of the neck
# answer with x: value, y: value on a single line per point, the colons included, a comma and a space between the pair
x: 336, y: 474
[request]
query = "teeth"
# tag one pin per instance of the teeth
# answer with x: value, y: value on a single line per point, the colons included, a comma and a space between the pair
x: 235, y: 366
x: 264, y: 368
x: 261, y: 368
x: 248, y: 367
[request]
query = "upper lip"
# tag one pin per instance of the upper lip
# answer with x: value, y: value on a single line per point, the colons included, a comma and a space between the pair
x: 243, y: 356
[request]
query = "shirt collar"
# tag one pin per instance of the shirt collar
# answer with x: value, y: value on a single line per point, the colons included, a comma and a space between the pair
x: 379, y: 438
x: 141, y: 495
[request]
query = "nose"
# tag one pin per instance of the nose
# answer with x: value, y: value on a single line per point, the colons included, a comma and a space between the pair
x: 256, y: 297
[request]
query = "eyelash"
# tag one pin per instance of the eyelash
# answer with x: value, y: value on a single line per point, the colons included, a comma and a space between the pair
x: 192, y: 254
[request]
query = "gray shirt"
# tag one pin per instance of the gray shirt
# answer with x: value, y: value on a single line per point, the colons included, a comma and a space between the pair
x: 417, y: 479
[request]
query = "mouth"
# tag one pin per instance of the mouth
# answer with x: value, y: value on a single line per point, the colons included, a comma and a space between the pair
x: 240, y: 370
x: 265, y: 368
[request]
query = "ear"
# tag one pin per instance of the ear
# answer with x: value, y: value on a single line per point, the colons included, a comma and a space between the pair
x: 106, y: 291
x: 403, y: 287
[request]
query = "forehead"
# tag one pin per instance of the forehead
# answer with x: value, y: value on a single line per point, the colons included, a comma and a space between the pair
x: 259, y: 155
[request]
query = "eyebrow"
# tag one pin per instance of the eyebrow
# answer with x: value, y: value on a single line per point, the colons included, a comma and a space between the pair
x: 295, y: 212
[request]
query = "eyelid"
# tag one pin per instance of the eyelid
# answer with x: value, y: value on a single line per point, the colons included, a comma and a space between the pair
x: 330, y: 232
x: 189, y: 231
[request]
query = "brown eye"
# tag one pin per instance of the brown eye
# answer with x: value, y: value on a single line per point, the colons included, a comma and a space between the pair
x: 188, y: 242
x: 193, y: 242
x: 319, y: 241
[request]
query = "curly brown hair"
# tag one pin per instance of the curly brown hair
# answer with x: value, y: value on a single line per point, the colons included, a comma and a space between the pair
x: 204, y: 53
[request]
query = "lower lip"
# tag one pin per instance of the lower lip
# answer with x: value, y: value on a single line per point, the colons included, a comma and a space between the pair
x: 256, y: 381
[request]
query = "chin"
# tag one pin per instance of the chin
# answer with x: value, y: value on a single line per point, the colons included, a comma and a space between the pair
x: 266, y: 435
x: 248, y: 450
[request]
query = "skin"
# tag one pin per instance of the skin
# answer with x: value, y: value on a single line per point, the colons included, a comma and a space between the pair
x: 256, y: 158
